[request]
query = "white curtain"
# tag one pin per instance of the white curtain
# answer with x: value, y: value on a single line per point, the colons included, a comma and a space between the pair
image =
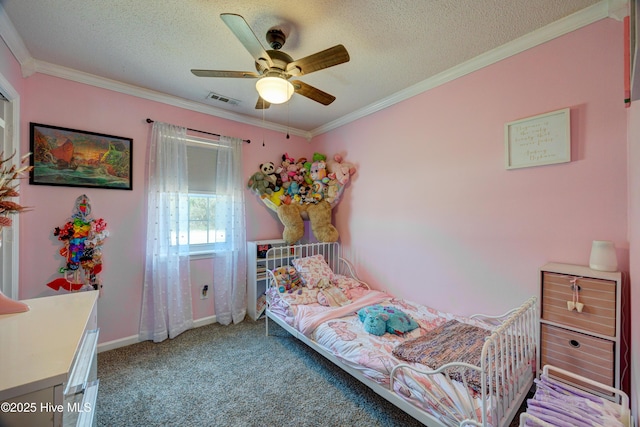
x: 230, y: 264
x: 166, y: 301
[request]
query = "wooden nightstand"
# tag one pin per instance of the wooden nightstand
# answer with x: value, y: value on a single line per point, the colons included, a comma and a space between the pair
x: 588, y: 342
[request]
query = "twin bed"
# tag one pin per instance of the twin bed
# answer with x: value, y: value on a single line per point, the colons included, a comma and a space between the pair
x: 441, y: 368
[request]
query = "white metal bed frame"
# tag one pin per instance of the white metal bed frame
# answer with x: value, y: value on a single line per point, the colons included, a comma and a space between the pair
x: 505, y: 381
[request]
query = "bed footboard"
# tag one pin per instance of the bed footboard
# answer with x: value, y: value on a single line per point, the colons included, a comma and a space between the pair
x: 507, y: 371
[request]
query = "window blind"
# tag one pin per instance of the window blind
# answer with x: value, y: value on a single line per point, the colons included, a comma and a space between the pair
x: 201, y: 161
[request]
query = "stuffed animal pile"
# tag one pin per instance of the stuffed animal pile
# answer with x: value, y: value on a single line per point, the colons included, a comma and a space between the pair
x: 303, y: 189
x: 287, y: 279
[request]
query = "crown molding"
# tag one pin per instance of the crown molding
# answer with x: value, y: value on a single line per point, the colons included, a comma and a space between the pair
x: 14, y: 41
x: 619, y: 9
x: 114, y: 85
x: 601, y: 10
x: 556, y: 29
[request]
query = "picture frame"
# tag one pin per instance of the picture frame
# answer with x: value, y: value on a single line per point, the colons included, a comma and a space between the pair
x: 539, y: 140
x: 76, y: 158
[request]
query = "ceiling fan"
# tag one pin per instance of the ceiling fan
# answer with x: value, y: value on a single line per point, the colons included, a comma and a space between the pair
x: 275, y: 68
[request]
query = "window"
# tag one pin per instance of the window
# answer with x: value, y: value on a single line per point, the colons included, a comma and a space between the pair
x: 206, y: 235
x: 203, y: 233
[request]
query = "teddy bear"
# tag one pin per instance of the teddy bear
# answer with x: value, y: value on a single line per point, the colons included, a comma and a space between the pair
x: 375, y: 324
x: 269, y: 171
x: 340, y: 170
x: 259, y: 184
x: 332, y: 192
x: 287, y: 279
x: 318, y: 171
x: 319, y: 215
x: 378, y: 319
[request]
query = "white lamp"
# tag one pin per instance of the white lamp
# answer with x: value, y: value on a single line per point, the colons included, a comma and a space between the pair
x: 603, y: 256
x: 274, y: 90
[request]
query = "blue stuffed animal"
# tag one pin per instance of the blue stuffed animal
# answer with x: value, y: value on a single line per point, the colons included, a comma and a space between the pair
x: 378, y: 319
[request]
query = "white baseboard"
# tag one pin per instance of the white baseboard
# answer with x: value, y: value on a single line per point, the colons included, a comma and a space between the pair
x: 204, y: 321
x: 122, y: 342
x: 134, y: 339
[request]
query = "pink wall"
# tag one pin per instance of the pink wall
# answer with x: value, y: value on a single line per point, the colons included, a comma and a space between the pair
x: 64, y: 103
x: 433, y: 214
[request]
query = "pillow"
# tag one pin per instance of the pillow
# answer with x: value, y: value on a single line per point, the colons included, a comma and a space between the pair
x: 312, y: 269
x: 300, y: 296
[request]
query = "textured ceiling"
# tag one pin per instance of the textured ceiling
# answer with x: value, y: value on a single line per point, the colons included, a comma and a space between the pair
x: 393, y: 45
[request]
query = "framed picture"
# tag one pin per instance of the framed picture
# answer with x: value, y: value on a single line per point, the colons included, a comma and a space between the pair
x: 539, y: 140
x: 77, y: 158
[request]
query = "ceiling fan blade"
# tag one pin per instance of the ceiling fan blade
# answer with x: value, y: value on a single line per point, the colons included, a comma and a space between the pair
x: 261, y: 104
x: 327, y: 58
x: 247, y: 37
x: 220, y: 73
x: 312, y: 93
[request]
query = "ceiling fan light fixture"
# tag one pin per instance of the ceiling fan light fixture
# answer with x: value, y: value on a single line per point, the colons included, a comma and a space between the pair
x: 274, y: 90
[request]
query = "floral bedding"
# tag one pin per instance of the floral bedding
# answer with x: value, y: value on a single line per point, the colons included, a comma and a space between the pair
x: 341, y: 332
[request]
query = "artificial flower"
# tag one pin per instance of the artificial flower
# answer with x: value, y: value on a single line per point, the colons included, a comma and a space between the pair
x: 9, y: 176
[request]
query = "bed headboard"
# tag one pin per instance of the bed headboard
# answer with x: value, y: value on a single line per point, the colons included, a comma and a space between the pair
x: 283, y: 255
x: 279, y: 256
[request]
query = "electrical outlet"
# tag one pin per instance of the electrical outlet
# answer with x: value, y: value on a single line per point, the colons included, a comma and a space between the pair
x: 204, y: 292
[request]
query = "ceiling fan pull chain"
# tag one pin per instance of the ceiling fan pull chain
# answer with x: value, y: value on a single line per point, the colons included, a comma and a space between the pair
x: 288, y: 117
x: 263, y: 126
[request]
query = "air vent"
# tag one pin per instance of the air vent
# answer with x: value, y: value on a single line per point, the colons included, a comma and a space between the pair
x: 223, y: 99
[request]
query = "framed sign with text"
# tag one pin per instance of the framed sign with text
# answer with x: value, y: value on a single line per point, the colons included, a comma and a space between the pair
x: 544, y: 139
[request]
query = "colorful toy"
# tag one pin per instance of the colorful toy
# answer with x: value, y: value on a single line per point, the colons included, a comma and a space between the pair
x: 287, y: 279
x: 259, y: 184
x: 289, y: 188
x: 275, y: 197
x: 319, y: 157
x: 339, y: 169
x: 269, y: 171
x: 318, y: 170
x: 83, y: 237
x: 378, y: 319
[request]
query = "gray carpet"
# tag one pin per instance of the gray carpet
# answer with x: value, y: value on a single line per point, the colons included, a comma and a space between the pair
x: 234, y: 376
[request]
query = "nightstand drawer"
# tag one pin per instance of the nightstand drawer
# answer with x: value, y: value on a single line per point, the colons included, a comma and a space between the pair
x: 597, y: 295
x: 582, y: 354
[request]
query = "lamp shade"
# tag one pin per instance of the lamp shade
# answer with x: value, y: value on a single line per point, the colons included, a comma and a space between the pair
x: 603, y: 256
x: 274, y: 90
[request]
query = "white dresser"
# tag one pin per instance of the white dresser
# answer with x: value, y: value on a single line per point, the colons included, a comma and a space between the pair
x: 48, y: 362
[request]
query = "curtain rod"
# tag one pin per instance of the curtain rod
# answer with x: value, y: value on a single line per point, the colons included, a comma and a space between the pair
x: 248, y: 141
